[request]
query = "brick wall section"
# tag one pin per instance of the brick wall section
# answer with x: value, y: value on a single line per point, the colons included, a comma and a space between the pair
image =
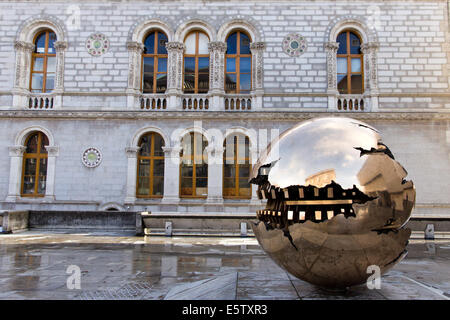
x: 413, y: 55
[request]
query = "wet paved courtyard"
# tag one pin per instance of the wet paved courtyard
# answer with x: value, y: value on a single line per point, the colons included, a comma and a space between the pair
x: 33, y: 265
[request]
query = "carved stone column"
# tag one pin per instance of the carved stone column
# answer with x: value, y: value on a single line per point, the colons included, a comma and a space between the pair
x: 15, y: 172
x: 52, y: 153
x: 217, y: 51
x: 134, y: 73
x: 131, y: 152
x: 257, y: 49
x: 215, y: 174
x: 171, y: 174
x: 60, y: 48
x: 22, y: 73
x: 370, y: 50
x: 331, y: 51
x: 174, y: 73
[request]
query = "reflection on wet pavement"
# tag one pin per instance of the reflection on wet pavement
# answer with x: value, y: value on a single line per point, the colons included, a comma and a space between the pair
x: 33, y: 266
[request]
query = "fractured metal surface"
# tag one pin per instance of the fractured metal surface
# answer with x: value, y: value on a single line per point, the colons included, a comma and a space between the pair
x: 337, y: 201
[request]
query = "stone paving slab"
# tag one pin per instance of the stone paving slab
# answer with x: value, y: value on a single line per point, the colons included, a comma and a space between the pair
x: 116, y: 267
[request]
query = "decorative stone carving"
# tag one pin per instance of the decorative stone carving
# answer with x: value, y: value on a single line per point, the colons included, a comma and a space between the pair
x: 52, y: 151
x: 294, y: 45
x: 91, y: 157
x: 371, y: 66
x: 217, y: 51
x: 60, y: 48
x: 175, y: 62
x: 97, y: 44
x: 132, y: 151
x: 331, y: 50
x: 257, y: 49
x: 16, y: 151
x: 134, y: 65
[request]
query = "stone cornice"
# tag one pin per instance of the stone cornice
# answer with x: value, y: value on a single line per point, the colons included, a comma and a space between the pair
x: 271, y: 115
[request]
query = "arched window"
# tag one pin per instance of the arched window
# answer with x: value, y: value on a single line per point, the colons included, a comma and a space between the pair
x: 236, y: 167
x: 238, y: 63
x: 34, y: 172
x: 43, y: 67
x: 349, y: 63
x: 154, y: 63
x: 150, y: 175
x: 194, y: 166
x: 196, y: 63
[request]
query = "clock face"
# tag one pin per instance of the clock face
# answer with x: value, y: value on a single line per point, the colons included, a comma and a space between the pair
x: 91, y: 157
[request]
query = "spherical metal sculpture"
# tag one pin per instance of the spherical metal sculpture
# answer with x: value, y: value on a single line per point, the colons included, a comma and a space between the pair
x: 337, y: 202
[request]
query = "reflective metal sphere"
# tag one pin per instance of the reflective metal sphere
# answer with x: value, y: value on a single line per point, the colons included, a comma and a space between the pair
x: 337, y: 202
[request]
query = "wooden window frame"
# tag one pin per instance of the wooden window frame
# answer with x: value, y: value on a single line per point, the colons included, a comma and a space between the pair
x: 349, y: 57
x: 45, y: 56
x: 238, y: 57
x: 152, y: 159
x: 38, y: 156
x: 156, y: 56
x: 193, y: 157
x: 236, y: 159
x: 196, y: 55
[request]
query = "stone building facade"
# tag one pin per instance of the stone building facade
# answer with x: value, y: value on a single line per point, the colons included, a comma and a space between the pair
x: 288, y: 63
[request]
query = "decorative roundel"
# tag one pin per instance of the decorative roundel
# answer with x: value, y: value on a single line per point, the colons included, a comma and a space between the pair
x: 294, y: 45
x: 91, y: 157
x: 97, y: 44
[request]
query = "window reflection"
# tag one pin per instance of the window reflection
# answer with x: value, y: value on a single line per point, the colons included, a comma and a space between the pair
x: 34, y: 177
x: 43, y: 67
x: 196, y: 63
x: 150, y: 171
x: 349, y: 63
x: 154, y: 63
x: 238, y: 63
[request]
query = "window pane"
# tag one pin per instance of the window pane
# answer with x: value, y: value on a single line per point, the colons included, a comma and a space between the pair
x: 189, y: 64
x: 50, y: 82
x: 203, y: 43
x: 51, y: 64
x: 342, y: 83
x: 162, y: 40
x: 342, y: 40
x: 201, y: 170
x: 245, y: 83
x: 356, y: 65
x: 145, y: 145
x: 40, y: 44
x: 357, y: 83
x: 229, y: 183
x: 147, y: 85
x: 355, y: 45
x: 144, y: 167
x: 245, y: 65
x: 232, y: 43
x: 186, y: 170
x: 159, y: 143
x: 341, y: 65
x: 203, y: 64
x: 158, y: 186
x: 231, y: 65
x: 32, y: 144
x: 149, y: 44
x: 148, y: 64
x: 203, y: 82
x: 30, y: 167
x: 189, y: 82
x: 190, y: 44
x: 158, y: 168
x: 162, y: 65
x: 143, y: 186
x: 36, y: 81
x: 44, y: 143
x: 245, y: 44
x: 28, y: 184
x: 161, y: 83
x: 229, y: 170
x: 38, y: 64
x: 244, y: 171
x: 243, y: 183
x: 43, y: 167
x: 51, y: 41
x: 230, y: 82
